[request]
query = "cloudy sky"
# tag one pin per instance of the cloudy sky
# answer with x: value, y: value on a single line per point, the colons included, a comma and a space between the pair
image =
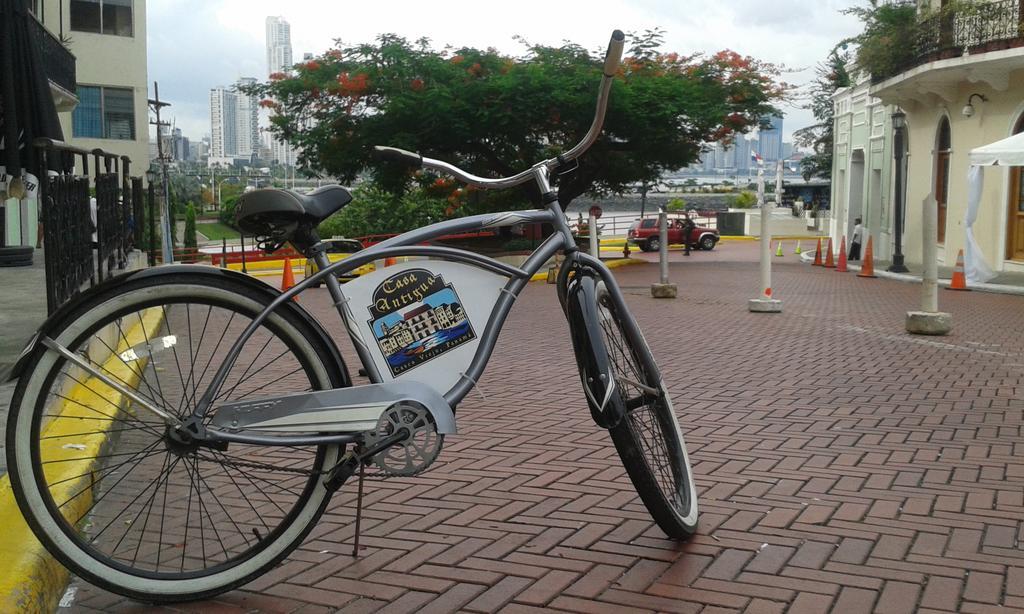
x: 198, y: 44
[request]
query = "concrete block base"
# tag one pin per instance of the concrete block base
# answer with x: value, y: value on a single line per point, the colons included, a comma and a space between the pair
x: 928, y: 323
x: 664, y: 290
x: 552, y: 274
x: 758, y: 305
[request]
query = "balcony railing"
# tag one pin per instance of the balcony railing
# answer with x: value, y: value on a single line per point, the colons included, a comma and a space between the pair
x: 975, y: 28
x: 58, y: 62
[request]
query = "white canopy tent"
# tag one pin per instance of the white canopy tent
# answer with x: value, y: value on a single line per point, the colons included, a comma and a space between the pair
x: 1007, y: 152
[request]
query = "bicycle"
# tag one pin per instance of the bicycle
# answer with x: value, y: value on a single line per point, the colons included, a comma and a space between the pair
x: 177, y: 431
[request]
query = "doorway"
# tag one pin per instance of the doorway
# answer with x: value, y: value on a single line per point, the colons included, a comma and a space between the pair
x: 856, y: 204
x: 1015, y: 217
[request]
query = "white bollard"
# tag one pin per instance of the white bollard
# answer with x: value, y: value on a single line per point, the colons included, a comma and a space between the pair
x: 765, y: 303
x: 929, y: 321
x: 595, y: 248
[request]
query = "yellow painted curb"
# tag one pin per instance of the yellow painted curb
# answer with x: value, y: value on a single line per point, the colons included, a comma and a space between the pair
x: 611, y: 264
x: 32, y: 580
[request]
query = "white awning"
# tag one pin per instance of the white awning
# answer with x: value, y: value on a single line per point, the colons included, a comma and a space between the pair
x: 1007, y: 152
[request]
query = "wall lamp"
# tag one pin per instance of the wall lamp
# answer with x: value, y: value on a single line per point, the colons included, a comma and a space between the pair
x: 969, y: 109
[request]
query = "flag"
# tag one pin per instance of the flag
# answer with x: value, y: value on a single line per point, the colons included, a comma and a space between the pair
x: 754, y: 157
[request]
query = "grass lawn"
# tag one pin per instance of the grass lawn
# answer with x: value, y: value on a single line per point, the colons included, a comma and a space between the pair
x: 215, y: 231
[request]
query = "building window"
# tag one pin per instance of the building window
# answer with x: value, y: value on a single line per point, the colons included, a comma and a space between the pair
x: 102, y: 16
x: 942, y: 155
x: 104, y: 113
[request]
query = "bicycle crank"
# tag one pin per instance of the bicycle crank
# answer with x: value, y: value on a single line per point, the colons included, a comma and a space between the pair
x: 413, y: 454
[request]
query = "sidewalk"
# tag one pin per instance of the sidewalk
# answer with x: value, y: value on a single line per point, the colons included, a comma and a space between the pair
x: 1003, y: 283
x: 22, y: 310
x: 841, y: 464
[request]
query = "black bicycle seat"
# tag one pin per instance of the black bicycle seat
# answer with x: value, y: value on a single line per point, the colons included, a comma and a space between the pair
x: 261, y: 212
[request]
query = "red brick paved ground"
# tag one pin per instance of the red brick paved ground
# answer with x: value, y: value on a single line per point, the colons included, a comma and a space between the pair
x: 842, y: 466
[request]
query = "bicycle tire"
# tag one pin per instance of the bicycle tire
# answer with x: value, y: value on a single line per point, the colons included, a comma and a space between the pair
x: 648, y: 429
x: 76, y: 544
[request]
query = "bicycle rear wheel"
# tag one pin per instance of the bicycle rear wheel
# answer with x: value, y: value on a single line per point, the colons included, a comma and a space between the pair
x: 111, y: 494
x: 648, y: 438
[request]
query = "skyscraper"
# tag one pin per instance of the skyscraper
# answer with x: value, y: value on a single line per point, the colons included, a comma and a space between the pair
x: 279, y: 45
x: 234, y: 123
x: 223, y: 124
x: 279, y: 59
x: 248, y: 118
x: 770, y: 140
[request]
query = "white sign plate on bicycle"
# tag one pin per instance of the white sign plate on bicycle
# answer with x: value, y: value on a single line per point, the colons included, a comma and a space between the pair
x: 422, y: 320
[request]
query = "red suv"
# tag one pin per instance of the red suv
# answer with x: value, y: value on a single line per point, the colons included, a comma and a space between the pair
x: 644, y: 234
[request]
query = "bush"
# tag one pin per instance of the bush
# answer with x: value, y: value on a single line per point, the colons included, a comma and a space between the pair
x: 676, y: 204
x: 743, y: 200
x: 374, y: 211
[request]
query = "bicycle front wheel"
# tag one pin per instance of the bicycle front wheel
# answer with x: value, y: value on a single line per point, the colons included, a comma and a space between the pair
x: 648, y: 438
x: 109, y: 491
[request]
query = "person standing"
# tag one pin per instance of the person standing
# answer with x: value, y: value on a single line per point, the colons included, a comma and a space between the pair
x: 856, y: 239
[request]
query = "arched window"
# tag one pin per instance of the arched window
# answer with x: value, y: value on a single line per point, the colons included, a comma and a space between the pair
x: 1015, y: 219
x: 942, y: 152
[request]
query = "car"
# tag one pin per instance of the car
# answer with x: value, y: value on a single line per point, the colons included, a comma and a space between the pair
x: 338, y: 249
x: 645, y: 235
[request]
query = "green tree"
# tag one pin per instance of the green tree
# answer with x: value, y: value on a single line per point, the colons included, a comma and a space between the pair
x: 887, y: 44
x: 496, y: 115
x: 190, y: 227
x: 832, y: 75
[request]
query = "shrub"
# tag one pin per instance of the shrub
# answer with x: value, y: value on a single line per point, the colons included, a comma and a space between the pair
x: 744, y: 200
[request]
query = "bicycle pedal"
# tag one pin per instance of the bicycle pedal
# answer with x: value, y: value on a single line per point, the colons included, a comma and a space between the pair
x: 345, y: 469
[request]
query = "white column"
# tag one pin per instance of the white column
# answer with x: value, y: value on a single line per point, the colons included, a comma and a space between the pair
x: 765, y: 303
x: 595, y: 250
x: 929, y: 321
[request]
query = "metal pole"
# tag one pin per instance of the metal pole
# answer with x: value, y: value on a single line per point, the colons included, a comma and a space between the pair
x: 242, y: 237
x: 165, y: 213
x: 663, y: 251
x: 766, y: 239
x: 595, y: 250
x: 897, y: 265
x: 151, y: 220
x: 223, y: 253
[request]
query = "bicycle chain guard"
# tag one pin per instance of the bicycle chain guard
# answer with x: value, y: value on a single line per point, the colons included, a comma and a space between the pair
x: 417, y: 452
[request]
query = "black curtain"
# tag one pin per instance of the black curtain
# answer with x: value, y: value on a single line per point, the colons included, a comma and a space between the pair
x: 27, y: 110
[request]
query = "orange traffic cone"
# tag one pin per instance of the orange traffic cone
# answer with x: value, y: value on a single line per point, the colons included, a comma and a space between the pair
x: 842, y: 257
x: 959, y: 279
x: 390, y: 261
x: 817, y: 254
x: 868, y: 268
x: 830, y: 258
x: 287, y: 277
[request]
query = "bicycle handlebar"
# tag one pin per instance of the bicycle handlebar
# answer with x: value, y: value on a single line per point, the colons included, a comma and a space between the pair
x: 612, y: 59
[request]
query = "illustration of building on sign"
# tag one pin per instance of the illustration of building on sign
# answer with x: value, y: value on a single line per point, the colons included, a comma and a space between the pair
x: 419, y: 324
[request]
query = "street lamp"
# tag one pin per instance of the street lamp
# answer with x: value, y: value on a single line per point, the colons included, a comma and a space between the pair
x: 899, y: 124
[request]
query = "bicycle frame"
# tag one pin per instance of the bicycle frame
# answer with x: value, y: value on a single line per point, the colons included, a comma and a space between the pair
x: 407, y: 245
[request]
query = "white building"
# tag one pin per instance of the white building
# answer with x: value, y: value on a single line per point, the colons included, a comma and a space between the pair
x: 234, y: 123
x: 964, y: 90
x: 248, y: 117
x: 108, y: 39
x: 100, y: 94
x: 223, y: 123
x: 279, y: 60
x: 279, y: 45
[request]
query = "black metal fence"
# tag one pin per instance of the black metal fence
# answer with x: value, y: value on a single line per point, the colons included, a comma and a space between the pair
x: 970, y: 28
x: 58, y: 62
x: 84, y: 243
